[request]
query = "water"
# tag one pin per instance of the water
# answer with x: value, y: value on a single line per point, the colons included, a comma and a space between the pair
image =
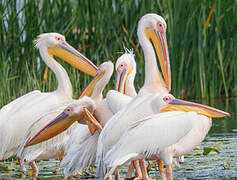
x: 222, y: 136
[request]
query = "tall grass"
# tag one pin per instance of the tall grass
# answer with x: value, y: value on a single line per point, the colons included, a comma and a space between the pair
x: 203, y: 65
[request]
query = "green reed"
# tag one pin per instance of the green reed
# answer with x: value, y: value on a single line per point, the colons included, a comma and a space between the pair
x: 203, y: 66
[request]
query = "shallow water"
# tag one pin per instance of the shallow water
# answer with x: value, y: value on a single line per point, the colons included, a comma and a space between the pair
x: 222, y: 136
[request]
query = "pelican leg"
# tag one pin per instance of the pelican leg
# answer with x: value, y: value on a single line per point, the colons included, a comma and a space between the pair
x: 35, y: 169
x: 23, y: 168
x: 110, y: 178
x: 134, y: 165
x: 144, y: 171
x: 130, y: 171
x: 169, y: 172
x: 137, y: 168
x: 161, y: 169
x: 116, y: 174
x: 92, y: 122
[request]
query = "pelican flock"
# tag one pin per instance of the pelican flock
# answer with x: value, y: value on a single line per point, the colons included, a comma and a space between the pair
x: 55, y: 147
x: 152, y: 99
x: 82, y: 146
x: 124, y: 127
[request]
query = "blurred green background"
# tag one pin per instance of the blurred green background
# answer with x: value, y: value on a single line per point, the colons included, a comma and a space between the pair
x: 202, y: 50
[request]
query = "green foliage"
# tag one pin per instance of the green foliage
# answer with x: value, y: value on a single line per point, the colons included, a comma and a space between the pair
x: 209, y: 150
x: 4, y: 167
x: 202, y: 65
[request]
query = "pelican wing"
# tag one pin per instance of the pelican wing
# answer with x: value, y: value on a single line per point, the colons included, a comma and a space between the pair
x: 148, y: 137
x: 17, y: 116
x: 15, y: 105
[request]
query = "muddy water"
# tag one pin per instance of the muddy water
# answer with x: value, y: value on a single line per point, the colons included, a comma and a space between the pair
x: 216, y: 165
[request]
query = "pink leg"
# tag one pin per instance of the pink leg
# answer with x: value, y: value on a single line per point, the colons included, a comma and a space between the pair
x: 161, y: 169
x: 116, y: 174
x: 143, y: 169
x: 137, y: 168
x: 60, y: 158
x: 23, y: 168
x: 130, y: 170
x: 169, y: 172
x: 34, y: 168
x: 109, y: 178
x: 138, y: 173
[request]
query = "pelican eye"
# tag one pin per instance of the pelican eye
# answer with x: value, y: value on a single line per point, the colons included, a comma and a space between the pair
x: 59, y: 39
x: 167, y: 99
x: 69, y: 109
x: 123, y: 65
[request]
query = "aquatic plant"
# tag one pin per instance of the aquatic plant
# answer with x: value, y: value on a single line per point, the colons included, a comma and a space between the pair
x: 200, y: 34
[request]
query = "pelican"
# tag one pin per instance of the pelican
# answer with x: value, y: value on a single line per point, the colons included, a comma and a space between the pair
x: 150, y: 27
x: 55, y: 147
x: 81, y: 148
x: 180, y: 127
x: 18, y: 115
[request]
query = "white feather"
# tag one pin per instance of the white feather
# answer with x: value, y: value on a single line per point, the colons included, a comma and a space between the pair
x: 82, y: 154
x: 158, y: 136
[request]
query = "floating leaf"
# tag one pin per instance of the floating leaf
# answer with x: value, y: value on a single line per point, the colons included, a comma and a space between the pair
x: 4, y: 167
x: 226, y: 166
x: 197, y: 148
x: 210, y: 151
x: 196, y: 154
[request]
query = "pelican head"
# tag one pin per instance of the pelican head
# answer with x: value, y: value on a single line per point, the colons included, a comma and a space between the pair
x: 102, y: 77
x: 154, y: 27
x: 167, y: 102
x: 125, y: 67
x: 56, y: 45
x: 74, y: 112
